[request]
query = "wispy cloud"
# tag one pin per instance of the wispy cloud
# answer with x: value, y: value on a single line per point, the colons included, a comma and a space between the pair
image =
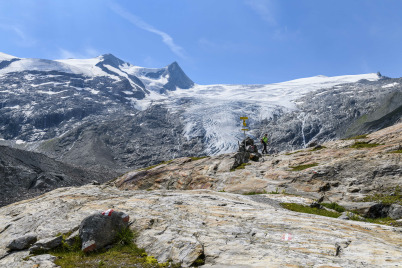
x: 265, y: 9
x: 23, y: 39
x: 86, y: 53
x: 166, y: 38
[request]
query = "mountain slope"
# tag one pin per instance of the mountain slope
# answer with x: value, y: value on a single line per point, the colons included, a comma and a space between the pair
x: 27, y: 174
x: 53, y: 106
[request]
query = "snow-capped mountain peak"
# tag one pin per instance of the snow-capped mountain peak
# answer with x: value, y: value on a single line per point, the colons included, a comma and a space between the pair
x: 52, y: 96
x: 4, y: 56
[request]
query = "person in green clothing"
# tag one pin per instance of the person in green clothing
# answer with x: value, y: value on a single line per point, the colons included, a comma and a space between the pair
x: 264, y: 142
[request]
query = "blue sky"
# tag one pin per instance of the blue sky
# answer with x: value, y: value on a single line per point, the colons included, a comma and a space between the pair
x: 214, y: 41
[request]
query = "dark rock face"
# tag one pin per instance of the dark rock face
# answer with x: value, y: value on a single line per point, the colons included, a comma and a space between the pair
x: 23, y: 242
x: 45, y: 244
x: 124, y: 142
x: 5, y: 63
x: 247, y: 151
x: 393, y: 211
x: 99, y: 230
x: 245, y: 144
x: 240, y: 158
x: 30, y: 174
x: 61, y: 101
x: 177, y: 78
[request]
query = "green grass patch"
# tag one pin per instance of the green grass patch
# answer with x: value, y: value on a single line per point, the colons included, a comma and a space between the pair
x: 386, y: 221
x: 326, y: 213
x: 359, y: 137
x: 397, y: 152
x: 118, y: 256
x: 309, y: 210
x: 195, y: 158
x: 124, y: 253
x: 275, y: 192
x: 151, y: 167
x: 199, y: 261
x: 363, y: 144
x: 395, y: 197
x: 318, y: 148
x: 294, y: 152
x: 242, y: 166
x: 254, y: 193
x: 354, y: 216
x: 334, y: 206
x: 302, y: 167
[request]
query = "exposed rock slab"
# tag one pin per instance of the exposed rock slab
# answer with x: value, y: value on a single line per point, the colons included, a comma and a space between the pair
x: 343, y: 174
x: 230, y: 229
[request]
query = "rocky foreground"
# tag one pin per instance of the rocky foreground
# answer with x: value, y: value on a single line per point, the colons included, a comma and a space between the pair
x: 231, y: 230
x: 193, y: 208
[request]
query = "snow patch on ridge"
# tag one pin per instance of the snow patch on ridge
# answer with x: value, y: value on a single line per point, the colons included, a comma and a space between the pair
x: 4, y: 56
x: 390, y: 85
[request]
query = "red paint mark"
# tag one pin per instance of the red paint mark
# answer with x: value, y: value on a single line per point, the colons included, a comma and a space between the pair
x: 126, y: 218
x: 108, y: 212
x: 90, y: 248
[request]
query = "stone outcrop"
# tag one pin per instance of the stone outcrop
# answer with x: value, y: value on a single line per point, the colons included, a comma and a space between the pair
x: 100, y: 229
x: 342, y: 174
x: 228, y: 229
x: 23, y: 242
x: 46, y: 244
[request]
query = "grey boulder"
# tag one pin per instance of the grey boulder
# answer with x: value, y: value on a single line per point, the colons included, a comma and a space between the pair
x: 45, y: 244
x: 100, y: 229
x: 23, y: 242
x: 350, y: 215
x: 395, y: 211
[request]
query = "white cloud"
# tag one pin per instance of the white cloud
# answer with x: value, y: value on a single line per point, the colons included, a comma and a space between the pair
x: 166, y: 38
x: 24, y: 40
x: 265, y: 9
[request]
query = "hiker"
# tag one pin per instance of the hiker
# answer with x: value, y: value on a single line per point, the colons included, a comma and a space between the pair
x: 264, y: 142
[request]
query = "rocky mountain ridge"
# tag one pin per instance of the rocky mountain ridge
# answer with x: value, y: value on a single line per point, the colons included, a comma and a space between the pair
x: 104, y: 111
